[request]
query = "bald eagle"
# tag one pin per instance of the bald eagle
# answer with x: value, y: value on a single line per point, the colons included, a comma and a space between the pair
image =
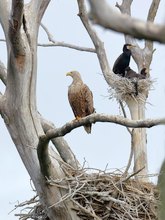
x: 80, y: 98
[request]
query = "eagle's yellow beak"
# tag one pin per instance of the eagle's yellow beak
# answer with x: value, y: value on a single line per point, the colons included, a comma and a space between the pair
x: 68, y: 74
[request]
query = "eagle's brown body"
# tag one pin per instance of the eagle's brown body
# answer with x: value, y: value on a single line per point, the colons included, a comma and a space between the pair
x: 80, y: 98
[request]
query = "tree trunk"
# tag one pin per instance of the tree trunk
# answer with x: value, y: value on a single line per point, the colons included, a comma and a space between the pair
x: 139, y: 145
x: 18, y: 106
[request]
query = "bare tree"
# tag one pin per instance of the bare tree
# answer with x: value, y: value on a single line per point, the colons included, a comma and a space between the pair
x: 31, y: 133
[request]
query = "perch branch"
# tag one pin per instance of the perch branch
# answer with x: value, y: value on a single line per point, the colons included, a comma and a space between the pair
x: 61, y: 145
x: 125, y: 24
x: 93, y: 118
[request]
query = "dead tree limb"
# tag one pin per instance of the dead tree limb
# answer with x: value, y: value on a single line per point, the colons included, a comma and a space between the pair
x: 124, y: 24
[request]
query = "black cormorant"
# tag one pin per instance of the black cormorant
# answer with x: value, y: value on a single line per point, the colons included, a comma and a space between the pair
x: 130, y: 74
x: 144, y: 73
x: 123, y: 60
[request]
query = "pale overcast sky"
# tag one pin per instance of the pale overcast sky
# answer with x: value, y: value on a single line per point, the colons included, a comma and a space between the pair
x: 108, y: 143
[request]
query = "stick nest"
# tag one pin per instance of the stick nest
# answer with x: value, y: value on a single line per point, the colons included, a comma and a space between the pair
x: 102, y: 196
x: 124, y: 89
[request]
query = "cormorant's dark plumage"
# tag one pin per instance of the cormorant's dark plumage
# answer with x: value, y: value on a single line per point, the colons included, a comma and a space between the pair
x: 144, y: 73
x: 130, y: 74
x: 123, y: 60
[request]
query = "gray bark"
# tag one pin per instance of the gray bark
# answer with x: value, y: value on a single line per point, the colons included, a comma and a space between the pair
x: 19, y: 111
x: 18, y: 105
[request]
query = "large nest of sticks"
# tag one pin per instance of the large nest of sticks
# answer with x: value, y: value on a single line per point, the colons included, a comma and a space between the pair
x: 123, y: 88
x: 103, y: 196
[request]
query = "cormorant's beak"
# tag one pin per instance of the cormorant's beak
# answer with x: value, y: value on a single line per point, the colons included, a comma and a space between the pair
x: 148, y: 70
x: 68, y: 74
x: 131, y: 46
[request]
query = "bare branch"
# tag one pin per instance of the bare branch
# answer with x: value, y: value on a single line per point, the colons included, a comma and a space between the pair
x: 38, y: 8
x: 153, y: 10
x: 44, y: 4
x: 4, y: 15
x: 137, y: 53
x: 62, y: 44
x: 67, y: 45
x: 3, y: 73
x: 2, y: 40
x: 93, y: 118
x: 61, y: 145
x: 125, y: 7
x: 50, y: 37
x: 161, y: 184
x: 125, y: 24
x: 124, y: 113
x: 43, y: 156
x: 151, y: 17
x: 99, y: 45
x: 130, y: 157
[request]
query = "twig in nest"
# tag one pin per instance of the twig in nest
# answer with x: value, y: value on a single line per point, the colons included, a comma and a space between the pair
x: 85, y: 210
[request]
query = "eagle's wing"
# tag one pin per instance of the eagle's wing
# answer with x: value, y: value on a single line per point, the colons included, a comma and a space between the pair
x: 88, y: 96
x: 81, y: 100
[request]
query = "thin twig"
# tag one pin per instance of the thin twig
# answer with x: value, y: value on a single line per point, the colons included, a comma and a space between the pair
x: 85, y: 210
x: 62, y: 44
x: 133, y: 174
x: 124, y: 113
